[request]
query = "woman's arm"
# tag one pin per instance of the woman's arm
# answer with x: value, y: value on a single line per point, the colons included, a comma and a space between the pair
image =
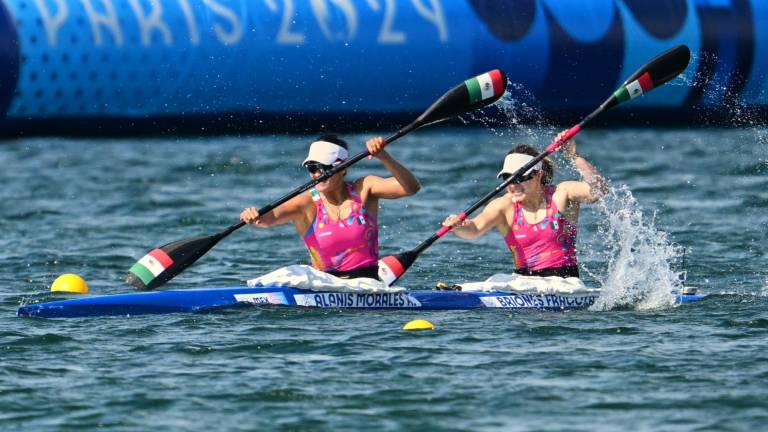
x: 592, y: 186
x: 402, y: 183
x: 283, y: 214
x: 479, y: 226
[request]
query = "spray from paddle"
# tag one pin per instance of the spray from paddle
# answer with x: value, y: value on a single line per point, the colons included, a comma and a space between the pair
x: 518, y: 113
x: 639, y: 256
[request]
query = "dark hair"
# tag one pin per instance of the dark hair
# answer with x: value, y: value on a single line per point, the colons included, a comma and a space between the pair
x: 333, y: 138
x: 548, y: 167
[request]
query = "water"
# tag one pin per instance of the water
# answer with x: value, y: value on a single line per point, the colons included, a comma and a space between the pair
x: 93, y: 207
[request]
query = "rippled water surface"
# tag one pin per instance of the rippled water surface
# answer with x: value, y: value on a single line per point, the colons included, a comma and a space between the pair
x: 93, y: 207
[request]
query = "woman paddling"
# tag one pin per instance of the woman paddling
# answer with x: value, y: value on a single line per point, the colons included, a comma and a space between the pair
x: 338, y: 219
x: 537, y: 220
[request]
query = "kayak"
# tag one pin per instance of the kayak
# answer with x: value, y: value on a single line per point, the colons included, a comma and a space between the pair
x: 214, y: 299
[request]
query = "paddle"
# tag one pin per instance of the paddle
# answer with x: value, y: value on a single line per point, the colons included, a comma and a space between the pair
x: 653, y: 74
x: 162, y: 264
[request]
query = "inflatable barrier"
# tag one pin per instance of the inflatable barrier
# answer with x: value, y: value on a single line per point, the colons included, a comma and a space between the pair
x: 90, y: 66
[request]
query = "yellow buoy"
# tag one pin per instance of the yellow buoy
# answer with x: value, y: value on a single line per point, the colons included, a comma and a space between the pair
x: 71, y: 283
x: 419, y: 324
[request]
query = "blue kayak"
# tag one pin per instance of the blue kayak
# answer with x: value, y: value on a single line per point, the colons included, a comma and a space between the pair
x: 213, y: 299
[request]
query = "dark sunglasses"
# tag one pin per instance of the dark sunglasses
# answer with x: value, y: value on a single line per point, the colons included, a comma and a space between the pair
x: 315, y: 167
x: 520, y: 179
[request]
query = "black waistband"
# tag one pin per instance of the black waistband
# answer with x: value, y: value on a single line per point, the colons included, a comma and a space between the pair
x: 366, y: 272
x: 564, y: 272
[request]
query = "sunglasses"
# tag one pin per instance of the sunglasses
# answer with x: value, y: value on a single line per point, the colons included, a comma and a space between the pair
x: 315, y: 167
x: 521, y: 179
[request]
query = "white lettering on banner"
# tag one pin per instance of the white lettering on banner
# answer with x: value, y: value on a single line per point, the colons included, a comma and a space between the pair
x: 108, y: 19
x: 189, y: 17
x: 284, y: 34
x: 386, y: 35
x: 236, y: 32
x: 150, y: 22
x: 357, y: 300
x: 52, y: 23
x: 337, y: 20
x: 435, y: 16
x: 322, y: 16
x: 537, y: 301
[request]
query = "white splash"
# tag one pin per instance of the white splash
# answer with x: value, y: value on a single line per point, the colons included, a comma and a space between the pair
x: 718, y: 92
x: 639, y: 256
x: 517, y: 114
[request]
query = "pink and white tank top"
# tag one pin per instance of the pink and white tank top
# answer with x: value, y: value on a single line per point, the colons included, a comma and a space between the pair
x: 346, y: 244
x: 547, y: 244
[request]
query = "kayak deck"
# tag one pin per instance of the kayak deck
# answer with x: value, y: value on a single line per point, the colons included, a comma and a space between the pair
x: 212, y: 299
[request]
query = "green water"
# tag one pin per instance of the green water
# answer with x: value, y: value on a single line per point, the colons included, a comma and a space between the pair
x: 93, y: 207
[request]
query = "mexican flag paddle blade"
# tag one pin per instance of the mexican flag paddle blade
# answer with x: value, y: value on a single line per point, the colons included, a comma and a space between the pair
x: 394, y: 266
x: 472, y: 94
x: 660, y: 70
x: 165, y: 262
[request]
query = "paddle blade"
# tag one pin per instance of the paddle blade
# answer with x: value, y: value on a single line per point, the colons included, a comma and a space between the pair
x: 655, y: 73
x: 164, y: 263
x: 472, y: 94
x: 665, y: 67
x: 391, y: 268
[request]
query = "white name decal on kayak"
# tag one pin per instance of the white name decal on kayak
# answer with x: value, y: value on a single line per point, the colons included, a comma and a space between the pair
x: 357, y: 300
x: 276, y: 298
x: 521, y: 301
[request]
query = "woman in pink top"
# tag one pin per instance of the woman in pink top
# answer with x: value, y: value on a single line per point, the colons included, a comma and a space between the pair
x: 338, y: 219
x: 538, y: 220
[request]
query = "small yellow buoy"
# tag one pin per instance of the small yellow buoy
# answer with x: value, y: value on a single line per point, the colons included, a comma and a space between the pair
x: 419, y: 324
x: 71, y: 283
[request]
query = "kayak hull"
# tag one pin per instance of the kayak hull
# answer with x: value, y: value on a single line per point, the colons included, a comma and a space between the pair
x: 213, y: 299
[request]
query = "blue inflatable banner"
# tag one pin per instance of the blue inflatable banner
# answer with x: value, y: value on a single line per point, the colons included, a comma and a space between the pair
x: 115, y: 63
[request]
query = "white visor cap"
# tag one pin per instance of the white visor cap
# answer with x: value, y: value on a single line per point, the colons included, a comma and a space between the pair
x: 326, y: 153
x: 515, y: 161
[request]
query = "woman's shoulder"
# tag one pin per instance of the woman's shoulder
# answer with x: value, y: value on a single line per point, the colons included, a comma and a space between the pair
x: 366, y: 179
x: 303, y: 199
x: 567, y: 185
x: 364, y: 183
x: 571, y: 192
x: 500, y: 204
x: 360, y: 183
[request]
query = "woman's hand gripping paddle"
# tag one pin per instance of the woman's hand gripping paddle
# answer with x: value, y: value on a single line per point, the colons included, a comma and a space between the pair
x: 162, y: 264
x: 655, y: 73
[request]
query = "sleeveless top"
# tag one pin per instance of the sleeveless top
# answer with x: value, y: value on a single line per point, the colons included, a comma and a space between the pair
x: 547, y: 244
x: 346, y: 244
